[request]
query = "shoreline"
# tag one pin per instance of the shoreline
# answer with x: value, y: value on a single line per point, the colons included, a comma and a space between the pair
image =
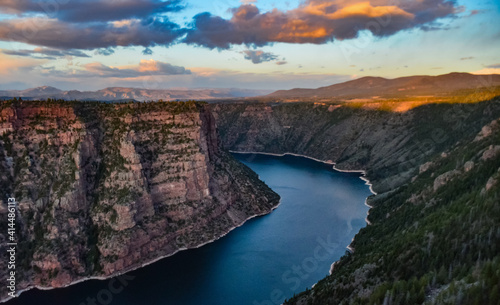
x: 363, y: 172
x: 103, y: 278
x: 332, y: 267
x: 368, y: 213
x: 364, y: 178
x: 329, y: 162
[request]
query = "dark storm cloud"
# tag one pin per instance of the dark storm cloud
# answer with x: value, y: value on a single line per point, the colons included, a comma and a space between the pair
x: 56, y: 34
x: 77, y: 11
x: 316, y: 21
x: 258, y: 56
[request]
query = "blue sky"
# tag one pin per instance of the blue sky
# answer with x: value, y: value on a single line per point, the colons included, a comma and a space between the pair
x: 241, y: 44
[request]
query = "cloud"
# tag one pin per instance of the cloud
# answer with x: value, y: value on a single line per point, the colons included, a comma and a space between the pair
x: 62, y: 35
x: 217, y: 78
x: 475, y: 12
x: 490, y: 69
x: 105, y: 52
x: 45, y: 53
x: 494, y: 66
x: 487, y: 71
x: 145, y: 68
x: 9, y: 65
x: 316, y: 21
x: 280, y: 63
x: 90, y: 24
x: 77, y: 11
x: 147, y: 51
x: 103, y: 24
x: 467, y: 58
x: 148, y: 74
x: 259, y: 56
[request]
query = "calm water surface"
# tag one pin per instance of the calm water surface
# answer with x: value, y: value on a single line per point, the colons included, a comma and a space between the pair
x: 263, y: 262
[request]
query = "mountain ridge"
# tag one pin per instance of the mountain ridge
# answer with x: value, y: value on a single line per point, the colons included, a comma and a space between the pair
x: 126, y: 93
x: 371, y: 86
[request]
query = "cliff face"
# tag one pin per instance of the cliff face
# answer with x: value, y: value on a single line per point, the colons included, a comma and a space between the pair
x: 434, y: 230
x: 103, y: 188
x: 434, y: 240
x: 389, y: 145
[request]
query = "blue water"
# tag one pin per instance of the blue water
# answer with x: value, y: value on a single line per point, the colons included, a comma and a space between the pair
x: 263, y: 262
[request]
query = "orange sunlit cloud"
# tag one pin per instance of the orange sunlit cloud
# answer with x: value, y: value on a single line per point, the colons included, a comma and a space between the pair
x: 487, y: 71
x: 315, y: 21
x: 358, y: 9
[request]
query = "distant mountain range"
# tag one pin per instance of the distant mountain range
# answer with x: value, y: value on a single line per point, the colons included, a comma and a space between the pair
x: 121, y: 94
x: 368, y: 87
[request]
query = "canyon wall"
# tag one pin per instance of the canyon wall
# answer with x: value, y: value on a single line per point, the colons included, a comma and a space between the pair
x: 434, y: 226
x: 104, y: 188
x: 389, y: 145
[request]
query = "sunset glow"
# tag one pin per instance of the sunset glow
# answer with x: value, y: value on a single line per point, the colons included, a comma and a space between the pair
x: 69, y: 45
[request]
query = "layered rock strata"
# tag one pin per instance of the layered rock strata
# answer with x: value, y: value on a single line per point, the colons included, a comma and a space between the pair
x: 105, y: 188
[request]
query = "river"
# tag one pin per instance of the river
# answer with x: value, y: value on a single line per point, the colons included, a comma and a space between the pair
x: 263, y: 262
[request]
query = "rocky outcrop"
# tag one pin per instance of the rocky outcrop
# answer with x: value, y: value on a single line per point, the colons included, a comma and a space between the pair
x: 442, y: 179
x: 468, y: 166
x: 491, y: 183
x: 486, y: 131
x: 425, y: 167
x: 105, y: 188
x: 492, y: 152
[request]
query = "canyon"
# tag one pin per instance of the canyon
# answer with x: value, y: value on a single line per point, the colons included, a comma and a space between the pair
x: 433, y: 230
x: 106, y: 188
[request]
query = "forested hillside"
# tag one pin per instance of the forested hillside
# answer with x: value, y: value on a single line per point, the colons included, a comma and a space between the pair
x: 435, y: 224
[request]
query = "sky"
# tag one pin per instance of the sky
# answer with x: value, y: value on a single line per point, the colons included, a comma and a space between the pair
x: 251, y: 44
